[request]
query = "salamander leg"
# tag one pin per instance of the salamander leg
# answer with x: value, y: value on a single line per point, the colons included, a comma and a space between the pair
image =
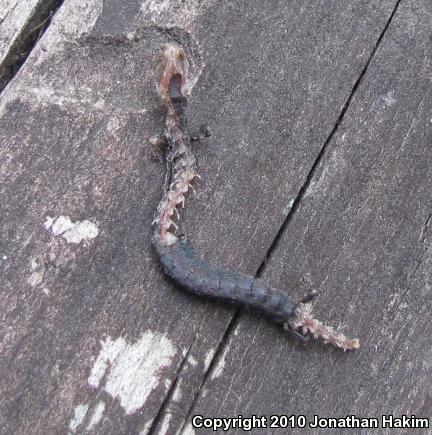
x: 296, y: 334
x: 308, y: 297
x: 293, y: 332
x: 157, y: 146
x: 204, y: 132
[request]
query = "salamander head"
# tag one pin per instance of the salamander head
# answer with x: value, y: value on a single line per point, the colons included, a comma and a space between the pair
x: 171, y: 72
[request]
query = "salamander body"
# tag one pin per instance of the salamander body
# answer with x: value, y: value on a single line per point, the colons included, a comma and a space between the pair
x: 177, y: 257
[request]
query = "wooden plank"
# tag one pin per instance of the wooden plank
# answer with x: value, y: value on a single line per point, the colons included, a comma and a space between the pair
x: 362, y: 237
x: 95, y: 337
x: 20, y: 24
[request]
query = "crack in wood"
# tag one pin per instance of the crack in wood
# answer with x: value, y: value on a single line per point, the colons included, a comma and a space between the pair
x: 214, y: 361
x: 425, y: 228
x: 319, y: 158
x: 167, y: 399
x: 29, y: 36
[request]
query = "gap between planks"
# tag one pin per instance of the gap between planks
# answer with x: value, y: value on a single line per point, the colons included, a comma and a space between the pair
x: 29, y: 35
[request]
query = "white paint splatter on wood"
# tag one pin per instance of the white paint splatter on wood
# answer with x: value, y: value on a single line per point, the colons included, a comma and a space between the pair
x: 389, y: 99
x: 193, y: 361
x: 35, y: 278
x: 61, y: 224
x: 79, y: 414
x: 189, y: 430
x: 97, y: 415
x: 132, y: 370
x: 48, y: 222
x: 71, y: 232
x: 164, y: 427
x: 84, y: 230
x: 146, y: 427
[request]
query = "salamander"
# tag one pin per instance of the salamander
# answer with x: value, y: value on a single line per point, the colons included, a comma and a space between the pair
x: 177, y: 257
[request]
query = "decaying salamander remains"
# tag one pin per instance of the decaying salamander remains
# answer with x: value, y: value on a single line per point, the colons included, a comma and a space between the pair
x: 177, y: 257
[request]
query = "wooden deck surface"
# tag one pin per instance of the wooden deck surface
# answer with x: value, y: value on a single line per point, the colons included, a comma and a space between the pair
x: 318, y: 174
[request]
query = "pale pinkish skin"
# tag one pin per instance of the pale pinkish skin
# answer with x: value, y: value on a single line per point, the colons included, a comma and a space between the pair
x: 172, y: 61
x: 308, y: 325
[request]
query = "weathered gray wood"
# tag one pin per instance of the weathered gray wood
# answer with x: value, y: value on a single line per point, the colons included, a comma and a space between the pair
x: 362, y: 237
x: 94, y: 335
x: 20, y: 21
